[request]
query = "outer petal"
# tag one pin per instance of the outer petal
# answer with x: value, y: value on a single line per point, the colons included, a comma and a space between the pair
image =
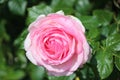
x: 27, y: 42
x: 79, y: 22
x: 67, y: 73
x: 30, y: 57
x: 32, y: 25
x: 77, y: 63
x: 60, y: 12
x: 87, y: 51
x: 66, y: 68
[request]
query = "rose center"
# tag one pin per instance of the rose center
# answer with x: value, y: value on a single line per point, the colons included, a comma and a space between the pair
x: 54, y: 45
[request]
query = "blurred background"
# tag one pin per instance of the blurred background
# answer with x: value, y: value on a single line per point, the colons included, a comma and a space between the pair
x: 100, y: 17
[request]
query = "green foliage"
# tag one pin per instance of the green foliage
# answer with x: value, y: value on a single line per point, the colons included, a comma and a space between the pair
x: 104, y: 17
x: 91, y: 23
x: 83, y: 6
x: 71, y: 77
x: 113, y: 42
x: 17, y: 6
x: 14, y: 75
x: 35, y: 11
x: 21, y: 39
x: 102, y: 23
x: 64, y: 5
x: 117, y: 62
x: 37, y: 73
x: 104, y: 63
x: 3, y: 34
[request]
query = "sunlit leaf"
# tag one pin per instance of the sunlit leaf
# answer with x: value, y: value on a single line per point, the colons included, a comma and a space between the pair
x: 89, y: 21
x: 104, y: 17
x: 91, y: 24
x: 105, y: 31
x: 104, y: 63
x: 117, y: 62
x: 113, y: 42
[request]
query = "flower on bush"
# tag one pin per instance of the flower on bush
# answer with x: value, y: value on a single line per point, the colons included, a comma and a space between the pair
x: 58, y: 43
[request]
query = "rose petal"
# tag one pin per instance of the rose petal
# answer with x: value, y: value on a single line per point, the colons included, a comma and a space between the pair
x: 70, y: 65
x: 79, y: 22
x: 60, y: 12
x: 37, y: 21
x: 67, y: 73
x: 27, y: 42
x: 87, y: 51
x: 30, y: 57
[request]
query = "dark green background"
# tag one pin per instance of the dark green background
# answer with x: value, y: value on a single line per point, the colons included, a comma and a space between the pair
x: 101, y: 19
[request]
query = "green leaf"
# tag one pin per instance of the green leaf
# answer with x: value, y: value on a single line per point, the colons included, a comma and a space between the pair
x: 89, y: 21
x: 17, y: 7
x: 94, y: 45
x: 91, y: 24
x: 71, y: 77
x: 2, y: 63
x: 83, y: 6
x: 21, y: 59
x: 105, y: 31
x: 93, y: 33
x: 20, y: 40
x: 2, y: 1
x: 2, y: 74
x: 3, y: 33
x: 104, y: 63
x: 113, y: 42
x: 35, y: 11
x: 112, y: 29
x: 2, y: 58
x: 117, y: 62
x: 37, y: 72
x: 104, y: 17
x: 86, y: 73
x: 14, y: 75
x: 64, y: 5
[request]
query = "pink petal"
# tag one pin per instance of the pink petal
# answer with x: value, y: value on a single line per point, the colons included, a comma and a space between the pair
x: 37, y: 21
x: 27, y: 42
x: 81, y: 27
x: 30, y: 57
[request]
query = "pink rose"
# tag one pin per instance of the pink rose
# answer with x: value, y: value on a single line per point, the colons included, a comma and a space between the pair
x: 58, y: 43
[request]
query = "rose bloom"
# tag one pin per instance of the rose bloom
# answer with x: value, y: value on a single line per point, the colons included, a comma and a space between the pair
x: 57, y: 42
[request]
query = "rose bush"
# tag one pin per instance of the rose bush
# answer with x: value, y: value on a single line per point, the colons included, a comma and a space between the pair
x: 58, y: 43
